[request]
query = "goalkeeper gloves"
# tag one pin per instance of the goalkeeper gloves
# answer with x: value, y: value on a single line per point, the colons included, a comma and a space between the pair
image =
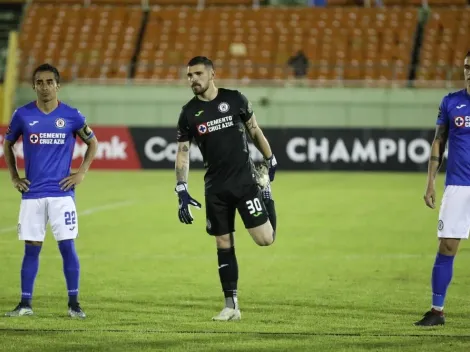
x: 185, y: 200
x: 272, y: 165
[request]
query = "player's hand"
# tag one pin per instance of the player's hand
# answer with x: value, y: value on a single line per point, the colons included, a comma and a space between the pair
x: 185, y: 200
x: 272, y: 165
x: 430, y: 197
x: 21, y: 184
x: 71, y: 181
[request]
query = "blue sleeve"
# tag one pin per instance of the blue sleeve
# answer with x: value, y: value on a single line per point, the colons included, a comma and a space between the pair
x: 82, y: 129
x: 15, y: 129
x: 442, y: 116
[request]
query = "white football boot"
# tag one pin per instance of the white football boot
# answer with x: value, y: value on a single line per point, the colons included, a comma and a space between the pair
x: 228, y: 314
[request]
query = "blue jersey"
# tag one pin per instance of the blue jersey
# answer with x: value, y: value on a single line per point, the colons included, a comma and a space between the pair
x: 454, y: 112
x: 48, y: 143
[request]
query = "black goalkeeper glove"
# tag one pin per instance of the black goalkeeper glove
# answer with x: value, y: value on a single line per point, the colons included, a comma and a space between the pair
x: 185, y: 200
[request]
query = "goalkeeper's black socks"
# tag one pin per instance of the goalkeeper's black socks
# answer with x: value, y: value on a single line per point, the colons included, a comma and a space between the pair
x: 269, y: 203
x: 228, y: 274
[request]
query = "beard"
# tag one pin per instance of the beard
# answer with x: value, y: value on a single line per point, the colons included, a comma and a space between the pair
x: 198, y: 89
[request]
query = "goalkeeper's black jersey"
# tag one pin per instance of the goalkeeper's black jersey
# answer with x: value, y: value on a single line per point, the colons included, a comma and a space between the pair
x: 217, y: 126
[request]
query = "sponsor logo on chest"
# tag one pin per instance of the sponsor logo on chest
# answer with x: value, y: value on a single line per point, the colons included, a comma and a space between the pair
x: 47, y: 138
x: 215, y: 125
x: 41, y: 138
x: 462, y: 121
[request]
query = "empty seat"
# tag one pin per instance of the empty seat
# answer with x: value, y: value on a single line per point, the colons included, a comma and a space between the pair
x: 83, y: 42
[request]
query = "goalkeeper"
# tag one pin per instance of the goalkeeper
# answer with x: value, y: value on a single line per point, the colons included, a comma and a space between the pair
x: 217, y: 120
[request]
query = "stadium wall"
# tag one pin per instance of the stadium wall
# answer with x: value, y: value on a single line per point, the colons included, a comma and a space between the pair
x: 311, y: 148
x: 309, y: 129
x: 275, y: 107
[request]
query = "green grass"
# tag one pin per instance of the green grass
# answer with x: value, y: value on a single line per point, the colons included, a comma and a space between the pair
x: 350, y: 271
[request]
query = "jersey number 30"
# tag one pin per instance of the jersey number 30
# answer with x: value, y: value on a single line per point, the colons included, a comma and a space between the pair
x: 254, y: 205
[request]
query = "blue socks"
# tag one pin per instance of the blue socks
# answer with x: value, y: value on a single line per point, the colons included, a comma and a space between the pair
x: 30, y: 267
x: 441, y: 277
x: 29, y: 270
x: 71, y: 269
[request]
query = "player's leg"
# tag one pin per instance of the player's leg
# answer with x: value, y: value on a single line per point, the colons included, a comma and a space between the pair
x: 254, y: 214
x: 31, y: 229
x: 220, y: 217
x: 262, y: 178
x: 453, y: 225
x: 64, y: 223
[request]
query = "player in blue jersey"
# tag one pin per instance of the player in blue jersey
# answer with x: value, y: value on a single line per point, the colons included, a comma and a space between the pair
x: 49, y: 129
x: 453, y: 125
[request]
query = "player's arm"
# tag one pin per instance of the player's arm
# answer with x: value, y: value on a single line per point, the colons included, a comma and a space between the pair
x: 88, y: 137
x: 435, y: 161
x: 182, y: 170
x: 13, y: 133
x: 437, y: 153
x: 21, y: 184
x: 258, y: 137
x: 10, y: 158
x: 182, y: 162
x: 183, y: 137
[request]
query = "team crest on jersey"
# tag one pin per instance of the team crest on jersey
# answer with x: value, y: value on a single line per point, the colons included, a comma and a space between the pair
x: 34, y: 138
x: 202, y: 128
x: 224, y: 107
x: 60, y: 122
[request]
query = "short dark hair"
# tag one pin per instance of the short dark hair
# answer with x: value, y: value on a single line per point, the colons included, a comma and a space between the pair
x: 198, y: 60
x: 468, y: 54
x: 47, y: 68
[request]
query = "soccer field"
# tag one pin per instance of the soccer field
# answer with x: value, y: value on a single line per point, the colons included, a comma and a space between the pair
x: 350, y: 270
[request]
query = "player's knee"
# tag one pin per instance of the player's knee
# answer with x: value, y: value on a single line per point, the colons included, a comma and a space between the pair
x: 224, y: 241
x: 449, y: 246
x: 33, y: 243
x: 265, y: 240
x: 66, y: 246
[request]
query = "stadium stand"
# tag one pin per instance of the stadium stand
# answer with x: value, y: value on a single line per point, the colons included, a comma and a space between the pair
x: 88, y: 42
x: 431, y: 3
x: 445, y: 44
x: 351, y: 43
x: 341, y: 43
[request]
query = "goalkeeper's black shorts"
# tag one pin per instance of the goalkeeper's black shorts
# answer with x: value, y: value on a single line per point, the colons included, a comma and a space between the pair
x: 221, y: 208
